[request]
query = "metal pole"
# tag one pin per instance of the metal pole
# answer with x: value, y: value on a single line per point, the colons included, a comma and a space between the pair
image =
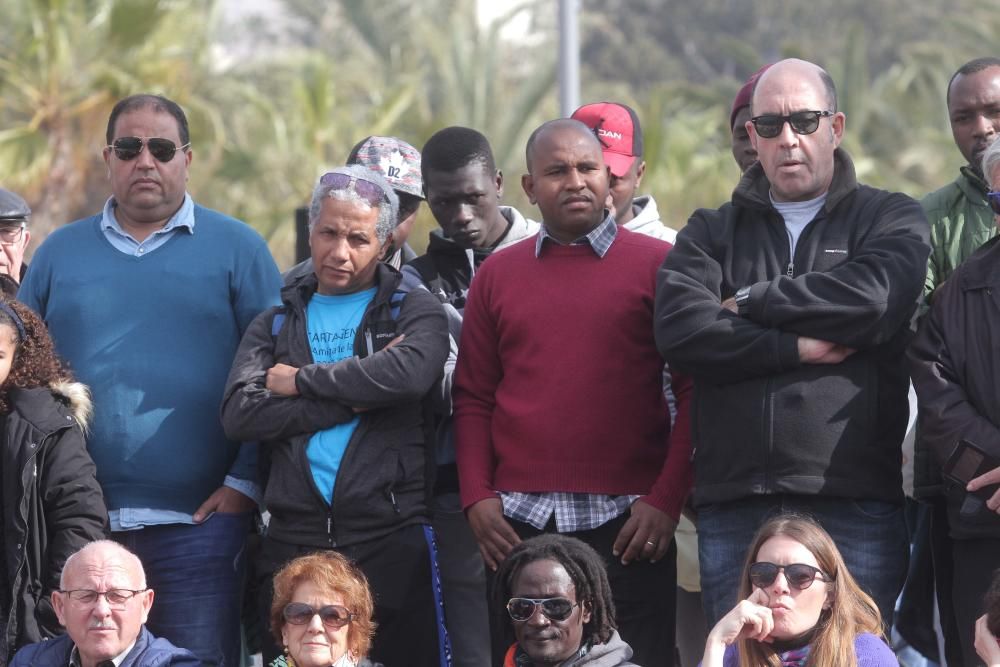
x: 569, y: 56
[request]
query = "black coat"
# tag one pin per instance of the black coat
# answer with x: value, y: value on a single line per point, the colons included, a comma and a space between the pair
x: 762, y: 421
x: 52, y: 503
x: 382, y: 481
x: 955, y: 364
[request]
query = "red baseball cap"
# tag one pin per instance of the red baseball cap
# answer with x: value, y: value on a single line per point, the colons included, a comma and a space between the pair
x: 617, y: 128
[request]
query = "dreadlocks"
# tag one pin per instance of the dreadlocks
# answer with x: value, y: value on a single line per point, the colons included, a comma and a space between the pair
x: 584, y: 566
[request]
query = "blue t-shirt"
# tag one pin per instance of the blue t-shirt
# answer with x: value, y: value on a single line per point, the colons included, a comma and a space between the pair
x: 332, y: 323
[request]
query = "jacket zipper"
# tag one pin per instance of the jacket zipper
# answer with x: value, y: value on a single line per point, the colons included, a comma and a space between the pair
x: 24, y: 545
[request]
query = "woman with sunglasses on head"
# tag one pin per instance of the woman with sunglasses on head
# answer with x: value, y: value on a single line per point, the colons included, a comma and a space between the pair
x: 321, y: 613
x: 554, y: 591
x: 799, y: 606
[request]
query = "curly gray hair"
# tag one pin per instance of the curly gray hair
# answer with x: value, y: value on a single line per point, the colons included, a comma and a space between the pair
x: 388, y: 206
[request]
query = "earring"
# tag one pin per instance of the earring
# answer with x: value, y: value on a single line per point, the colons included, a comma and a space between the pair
x: 289, y: 662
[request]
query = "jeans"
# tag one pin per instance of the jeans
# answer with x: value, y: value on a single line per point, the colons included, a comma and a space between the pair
x: 196, y: 572
x: 871, y: 536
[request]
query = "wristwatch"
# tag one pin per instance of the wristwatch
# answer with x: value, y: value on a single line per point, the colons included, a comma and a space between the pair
x: 742, y: 299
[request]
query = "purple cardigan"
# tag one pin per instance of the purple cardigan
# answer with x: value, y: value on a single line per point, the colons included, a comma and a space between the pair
x: 871, y: 652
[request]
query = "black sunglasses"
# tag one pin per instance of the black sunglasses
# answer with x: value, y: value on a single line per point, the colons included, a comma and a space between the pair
x: 994, y: 199
x: 798, y: 575
x: 802, y: 122
x: 555, y: 609
x: 128, y: 148
x: 370, y: 192
x: 332, y: 615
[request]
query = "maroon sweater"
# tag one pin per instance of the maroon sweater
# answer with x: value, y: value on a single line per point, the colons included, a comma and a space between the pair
x: 558, y: 385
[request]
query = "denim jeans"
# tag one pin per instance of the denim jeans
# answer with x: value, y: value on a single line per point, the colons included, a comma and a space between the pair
x: 196, y: 572
x: 871, y: 536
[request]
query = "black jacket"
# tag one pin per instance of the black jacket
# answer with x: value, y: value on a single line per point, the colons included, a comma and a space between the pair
x: 955, y: 364
x: 52, y: 503
x: 763, y: 421
x: 381, y: 481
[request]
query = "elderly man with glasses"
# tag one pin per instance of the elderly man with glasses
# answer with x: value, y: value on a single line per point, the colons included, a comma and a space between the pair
x: 14, y: 237
x: 331, y: 383
x: 790, y: 307
x: 147, y: 301
x: 104, y: 603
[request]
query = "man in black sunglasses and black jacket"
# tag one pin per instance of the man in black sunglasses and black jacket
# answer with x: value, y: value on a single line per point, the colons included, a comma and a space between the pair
x: 790, y: 307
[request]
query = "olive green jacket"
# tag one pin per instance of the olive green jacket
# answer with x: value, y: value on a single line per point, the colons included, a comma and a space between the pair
x: 961, y: 221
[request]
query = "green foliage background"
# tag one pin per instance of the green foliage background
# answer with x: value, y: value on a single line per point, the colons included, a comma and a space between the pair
x: 274, y: 101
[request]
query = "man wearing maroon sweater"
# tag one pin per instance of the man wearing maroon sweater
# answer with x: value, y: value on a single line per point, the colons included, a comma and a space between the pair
x: 560, y: 419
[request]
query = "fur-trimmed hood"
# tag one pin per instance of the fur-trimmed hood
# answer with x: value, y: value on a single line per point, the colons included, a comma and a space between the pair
x: 71, y: 401
x: 77, y: 397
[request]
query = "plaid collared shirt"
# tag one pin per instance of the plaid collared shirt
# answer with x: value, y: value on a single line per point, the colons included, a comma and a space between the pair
x: 572, y: 512
x: 600, y: 237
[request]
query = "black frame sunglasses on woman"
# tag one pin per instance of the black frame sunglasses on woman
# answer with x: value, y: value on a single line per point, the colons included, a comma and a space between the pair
x: 798, y: 575
x: 129, y: 148
x: 333, y: 615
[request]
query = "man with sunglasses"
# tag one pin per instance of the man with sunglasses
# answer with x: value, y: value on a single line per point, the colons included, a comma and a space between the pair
x: 104, y: 602
x: 955, y: 365
x: 556, y: 601
x: 147, y: 301
x: 14, y: 237
x: 790, y: 307
x: 332, y: 384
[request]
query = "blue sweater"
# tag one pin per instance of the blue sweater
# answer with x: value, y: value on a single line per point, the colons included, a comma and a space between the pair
x: 154, y: 337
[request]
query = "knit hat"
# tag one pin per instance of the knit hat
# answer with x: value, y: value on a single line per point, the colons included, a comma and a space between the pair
x: 617, y: 128
x: 745, y: 95
x: 397, y: 161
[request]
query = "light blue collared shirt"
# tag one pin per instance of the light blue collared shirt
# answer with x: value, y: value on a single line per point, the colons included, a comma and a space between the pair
x: 133, y: 518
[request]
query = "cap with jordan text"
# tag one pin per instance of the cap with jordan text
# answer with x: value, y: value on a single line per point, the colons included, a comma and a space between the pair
x: 617, y: 128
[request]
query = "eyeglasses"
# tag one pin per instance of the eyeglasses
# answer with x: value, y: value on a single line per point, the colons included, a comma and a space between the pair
x: 332, y: 615
x: 802, y: 122
x: 128, y: 148
x: 994, y: 199
x: 116, y: 597
x: 555, y: 609
x: 367, y: 190
x: 798, y: 575
x: 11, y: 234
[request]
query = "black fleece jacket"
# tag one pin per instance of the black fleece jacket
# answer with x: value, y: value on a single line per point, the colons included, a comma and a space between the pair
x: 764, y: 422
x: 381, y: 483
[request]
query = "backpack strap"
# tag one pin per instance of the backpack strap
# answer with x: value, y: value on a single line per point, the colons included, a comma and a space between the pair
x: 277, y: 322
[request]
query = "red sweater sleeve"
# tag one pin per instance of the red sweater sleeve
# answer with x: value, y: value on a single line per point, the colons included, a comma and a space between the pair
x: 477, y: 375
x: 674, y: 482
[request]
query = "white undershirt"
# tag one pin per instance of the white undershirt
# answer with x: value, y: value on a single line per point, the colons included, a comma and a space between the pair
x: 797, y: 214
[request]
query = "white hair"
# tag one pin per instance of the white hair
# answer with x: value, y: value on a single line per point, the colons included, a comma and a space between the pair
x: 104, y: 545
x: 991, y: 161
